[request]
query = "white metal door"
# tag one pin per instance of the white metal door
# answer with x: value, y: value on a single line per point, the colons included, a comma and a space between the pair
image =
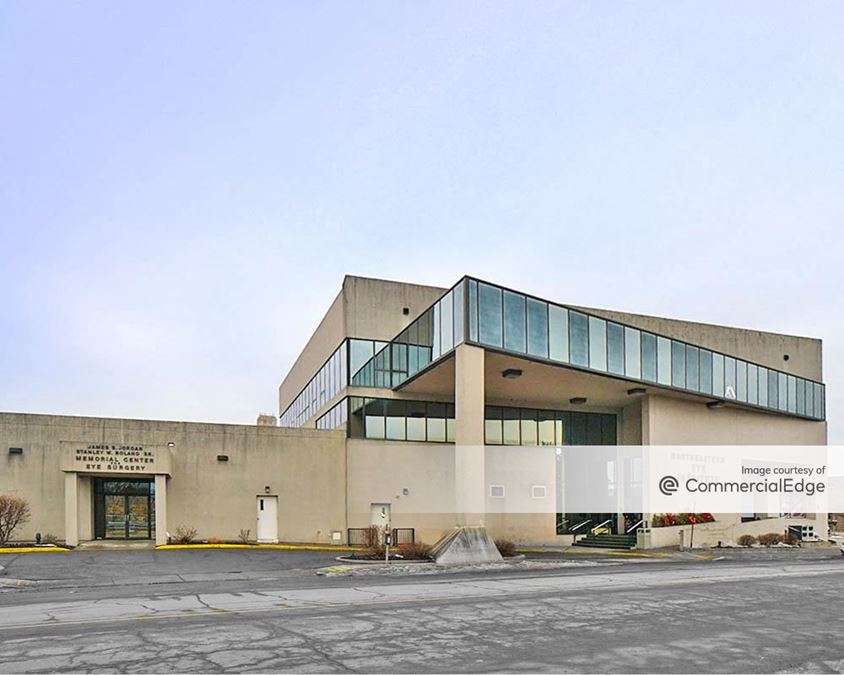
x: 267, y: 529
x: 379, y: 514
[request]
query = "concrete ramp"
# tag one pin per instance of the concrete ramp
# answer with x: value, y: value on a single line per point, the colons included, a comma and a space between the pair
x: 465, y: 545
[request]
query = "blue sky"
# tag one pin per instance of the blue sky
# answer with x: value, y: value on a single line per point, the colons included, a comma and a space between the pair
x: 183, y: 185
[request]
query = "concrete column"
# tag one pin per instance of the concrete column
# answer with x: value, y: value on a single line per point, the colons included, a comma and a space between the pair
x: 160, y: 509
x: 469, y: 480
x: 71, y: 509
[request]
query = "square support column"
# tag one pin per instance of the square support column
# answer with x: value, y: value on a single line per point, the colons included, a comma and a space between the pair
x: 160, y: 509
x: 71, y: 509
x: 469, y: 470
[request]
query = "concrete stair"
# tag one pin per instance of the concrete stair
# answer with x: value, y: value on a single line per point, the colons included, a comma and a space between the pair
x: 613, y: 541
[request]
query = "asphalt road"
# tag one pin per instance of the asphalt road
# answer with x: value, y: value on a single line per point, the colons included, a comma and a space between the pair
x: 778, y: 614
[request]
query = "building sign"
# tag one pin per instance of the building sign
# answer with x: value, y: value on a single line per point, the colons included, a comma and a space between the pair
x: 115, y: 458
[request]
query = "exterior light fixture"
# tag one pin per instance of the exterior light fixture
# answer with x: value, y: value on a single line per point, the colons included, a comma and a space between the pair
x: 15, y: 451
x: 511, y: 373
x: 171, y: 444
x: 715, y: 404
x: 222, y: 458
x: 577, y: 400
x: 637, y: 391
x: 266, y: 489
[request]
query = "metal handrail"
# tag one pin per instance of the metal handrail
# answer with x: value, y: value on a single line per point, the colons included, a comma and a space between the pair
x: 597, y: 527
x: 633, y: 527
x: 580, y: 525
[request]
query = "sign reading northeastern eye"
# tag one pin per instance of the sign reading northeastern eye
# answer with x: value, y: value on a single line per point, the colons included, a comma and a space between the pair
x: 112, y: 458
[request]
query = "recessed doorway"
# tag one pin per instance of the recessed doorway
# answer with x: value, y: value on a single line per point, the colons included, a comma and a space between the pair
x: 124, y: 508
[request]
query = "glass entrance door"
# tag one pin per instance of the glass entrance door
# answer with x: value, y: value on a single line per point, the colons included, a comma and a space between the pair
x: 124, y: 508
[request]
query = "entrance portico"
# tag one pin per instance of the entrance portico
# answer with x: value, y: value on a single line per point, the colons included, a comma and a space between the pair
x: 115, y: 491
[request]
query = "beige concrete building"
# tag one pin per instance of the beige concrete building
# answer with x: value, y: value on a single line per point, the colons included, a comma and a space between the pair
x: 428, y: 408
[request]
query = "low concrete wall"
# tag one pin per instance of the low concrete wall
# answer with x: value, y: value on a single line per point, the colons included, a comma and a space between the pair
x: 726, y: 531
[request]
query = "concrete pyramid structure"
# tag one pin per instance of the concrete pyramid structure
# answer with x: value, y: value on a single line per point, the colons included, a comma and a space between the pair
x: 465, y: 545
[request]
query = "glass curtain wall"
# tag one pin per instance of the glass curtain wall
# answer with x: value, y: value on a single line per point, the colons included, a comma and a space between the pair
x: 513, y: 322
x: 329, y: 380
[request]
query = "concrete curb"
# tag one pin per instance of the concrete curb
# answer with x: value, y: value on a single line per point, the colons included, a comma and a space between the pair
x: 592, y: 551
x: 35, y: 549
x: 255, y: 547
x: 16, y: 583
x: 353, y: 561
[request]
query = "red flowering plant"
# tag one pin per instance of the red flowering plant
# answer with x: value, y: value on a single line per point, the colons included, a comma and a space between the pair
x: 671, y: 519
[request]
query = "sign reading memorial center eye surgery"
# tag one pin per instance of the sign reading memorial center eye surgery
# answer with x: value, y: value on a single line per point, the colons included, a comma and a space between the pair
x: 115, y: 458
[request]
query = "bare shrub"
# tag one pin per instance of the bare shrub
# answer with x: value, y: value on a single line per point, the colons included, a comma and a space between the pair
x: 505, y: 547
x: 184, y: 535
x: 770, y: 539
x: 790, y: 539
x: 244, y: 536
x: 746, y: 540
x: 49, y: 538
x: 415, y: 551
x: 373, y: 540
x: 14, y: 512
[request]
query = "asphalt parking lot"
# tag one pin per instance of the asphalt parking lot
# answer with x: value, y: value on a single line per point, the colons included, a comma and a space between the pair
x: 755, y: 611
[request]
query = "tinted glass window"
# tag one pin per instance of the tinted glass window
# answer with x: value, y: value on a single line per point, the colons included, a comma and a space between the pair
x: 773, y: 394
x: 511, y: 426
x: 490, y: 315
x: 705, y: 371
x: 741, y: 381
x: 649, y: 357
x: 663, y: 361
x: 692, y: 368
x: 530, y: 434
x: 729, y: 377
x: 459, y: 303
x: 537, y: 318
x: 473, y: 310
x: 514, y: 322
x: 752, y: 383
x: 415, y: 421
x: 678, y: 364
x: 792, y: 394
x: 447, y: 322
x: 615, y: 349
x: 558, y: 332
x: 801, y: 397
x: 597, y: 343
x: 632, y: 353
x: 579, y: 342
x: 782, y: 388
x: 492, y: 426
x: 763, y: 386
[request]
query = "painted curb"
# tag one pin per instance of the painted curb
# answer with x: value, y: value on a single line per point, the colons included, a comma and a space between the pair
x: 15, y: 583
x: 35, y: 549
x: 253, y: 547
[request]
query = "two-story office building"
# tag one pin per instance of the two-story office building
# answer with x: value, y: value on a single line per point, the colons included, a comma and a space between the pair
x: 428, y: 408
